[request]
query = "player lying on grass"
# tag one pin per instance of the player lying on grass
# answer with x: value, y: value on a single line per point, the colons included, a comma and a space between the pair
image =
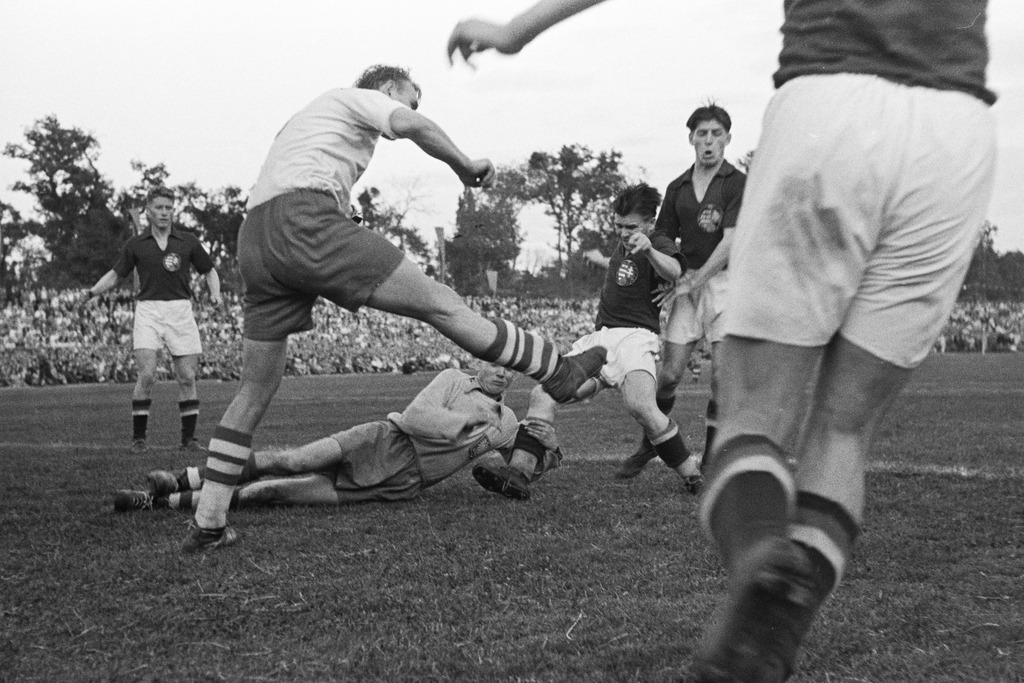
x: 454, y: 420
x: 628, y: 324
x: 299, y: 243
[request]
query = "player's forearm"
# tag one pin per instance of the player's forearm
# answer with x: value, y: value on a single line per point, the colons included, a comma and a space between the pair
x: 718, y: 260
x: 429, y: 137
x: 105, y: 283
x: 529, y: 24
x: 213, y: 283
x: 667, y: 267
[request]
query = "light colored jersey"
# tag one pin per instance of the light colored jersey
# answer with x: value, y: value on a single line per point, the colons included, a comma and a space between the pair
x: 436, y: 423
x: 326, y: 146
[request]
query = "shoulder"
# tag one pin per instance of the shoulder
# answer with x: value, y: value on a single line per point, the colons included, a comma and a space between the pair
x: 188, y: 238
x: 453, y: 377
x: 679, y: 181
x: 361, y: 99
x: 730, y: 173
x: 134, y: 242
x: 663, y: 243
x: 732, y: 178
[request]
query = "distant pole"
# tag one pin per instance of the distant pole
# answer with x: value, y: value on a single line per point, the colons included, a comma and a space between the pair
x: 440, y: 251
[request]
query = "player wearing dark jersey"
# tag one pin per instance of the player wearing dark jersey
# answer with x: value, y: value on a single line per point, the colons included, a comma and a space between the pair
x: 628, y: 323
x: 873, y: 176
x: 700, y: 211
x: 163, y: 257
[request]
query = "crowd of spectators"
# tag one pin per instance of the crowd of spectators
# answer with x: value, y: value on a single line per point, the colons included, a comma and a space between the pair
x: 55, y: 338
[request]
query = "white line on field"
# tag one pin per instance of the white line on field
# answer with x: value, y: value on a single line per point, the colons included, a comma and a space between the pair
x: 956, y: 471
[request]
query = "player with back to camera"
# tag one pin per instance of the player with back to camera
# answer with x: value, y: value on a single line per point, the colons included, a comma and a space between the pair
x: 455, y: 420
x: 860, y: 216
x: 299, y: 243
x: 700, y: 211
x: 163, y: 256
x: 628, y: 322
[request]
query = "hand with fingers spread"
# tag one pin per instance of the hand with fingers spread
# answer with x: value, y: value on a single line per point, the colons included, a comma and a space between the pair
x: 543, y: 431
x: 476, y: 35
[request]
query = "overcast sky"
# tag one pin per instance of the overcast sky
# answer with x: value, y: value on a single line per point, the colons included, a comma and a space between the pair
x: 204, y: 85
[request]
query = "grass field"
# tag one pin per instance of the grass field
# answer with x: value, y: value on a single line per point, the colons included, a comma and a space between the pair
x: 591, y: 580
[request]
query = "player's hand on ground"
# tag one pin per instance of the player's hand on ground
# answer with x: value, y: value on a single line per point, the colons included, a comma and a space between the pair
x: 474, y: 35
x: 638, y: 243
x: 479, y: 173
x: 217, y: 300
x: 543, y: 432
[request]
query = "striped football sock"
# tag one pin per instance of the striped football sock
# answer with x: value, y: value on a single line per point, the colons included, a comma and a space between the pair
x: 229, y: 450
x: 525, y: 352
x: 140, y: 417
x: 670, y: 447
x: 827, y: 529
x: 189, y: 411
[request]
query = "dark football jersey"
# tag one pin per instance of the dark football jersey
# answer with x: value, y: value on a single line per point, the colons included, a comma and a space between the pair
x: 164, y: 274
x: 932, y: 43
x: 627, y: 295
x: 700, y: 226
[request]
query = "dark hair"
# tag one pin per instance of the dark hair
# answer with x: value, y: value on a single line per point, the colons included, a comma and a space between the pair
x: 379, y: 74
x: 640, y: 198
x: 709, y: 112
x: 160, y: 191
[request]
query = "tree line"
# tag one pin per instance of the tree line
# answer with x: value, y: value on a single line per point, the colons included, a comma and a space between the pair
x: 80, y: 221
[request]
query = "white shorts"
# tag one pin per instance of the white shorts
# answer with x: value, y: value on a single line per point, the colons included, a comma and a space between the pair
x: 698, y: 315
x: 860, y: 216
x: 167, y: 323
x: 629, y: 349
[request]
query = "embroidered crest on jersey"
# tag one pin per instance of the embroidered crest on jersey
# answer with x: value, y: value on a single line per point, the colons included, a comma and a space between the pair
x: 172, y: 263
x: 480, y: 447
x: 710, y: 218
x: 628, y: 273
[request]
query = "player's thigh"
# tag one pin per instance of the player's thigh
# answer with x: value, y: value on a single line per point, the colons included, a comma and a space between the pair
x: 683, y: 325
x: 763, y: 388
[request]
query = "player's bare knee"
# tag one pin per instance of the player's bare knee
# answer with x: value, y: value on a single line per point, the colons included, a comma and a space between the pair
x: 541, y: 403
x: 262, y: 493
x: 147, y: 379
x: 187, y: 379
